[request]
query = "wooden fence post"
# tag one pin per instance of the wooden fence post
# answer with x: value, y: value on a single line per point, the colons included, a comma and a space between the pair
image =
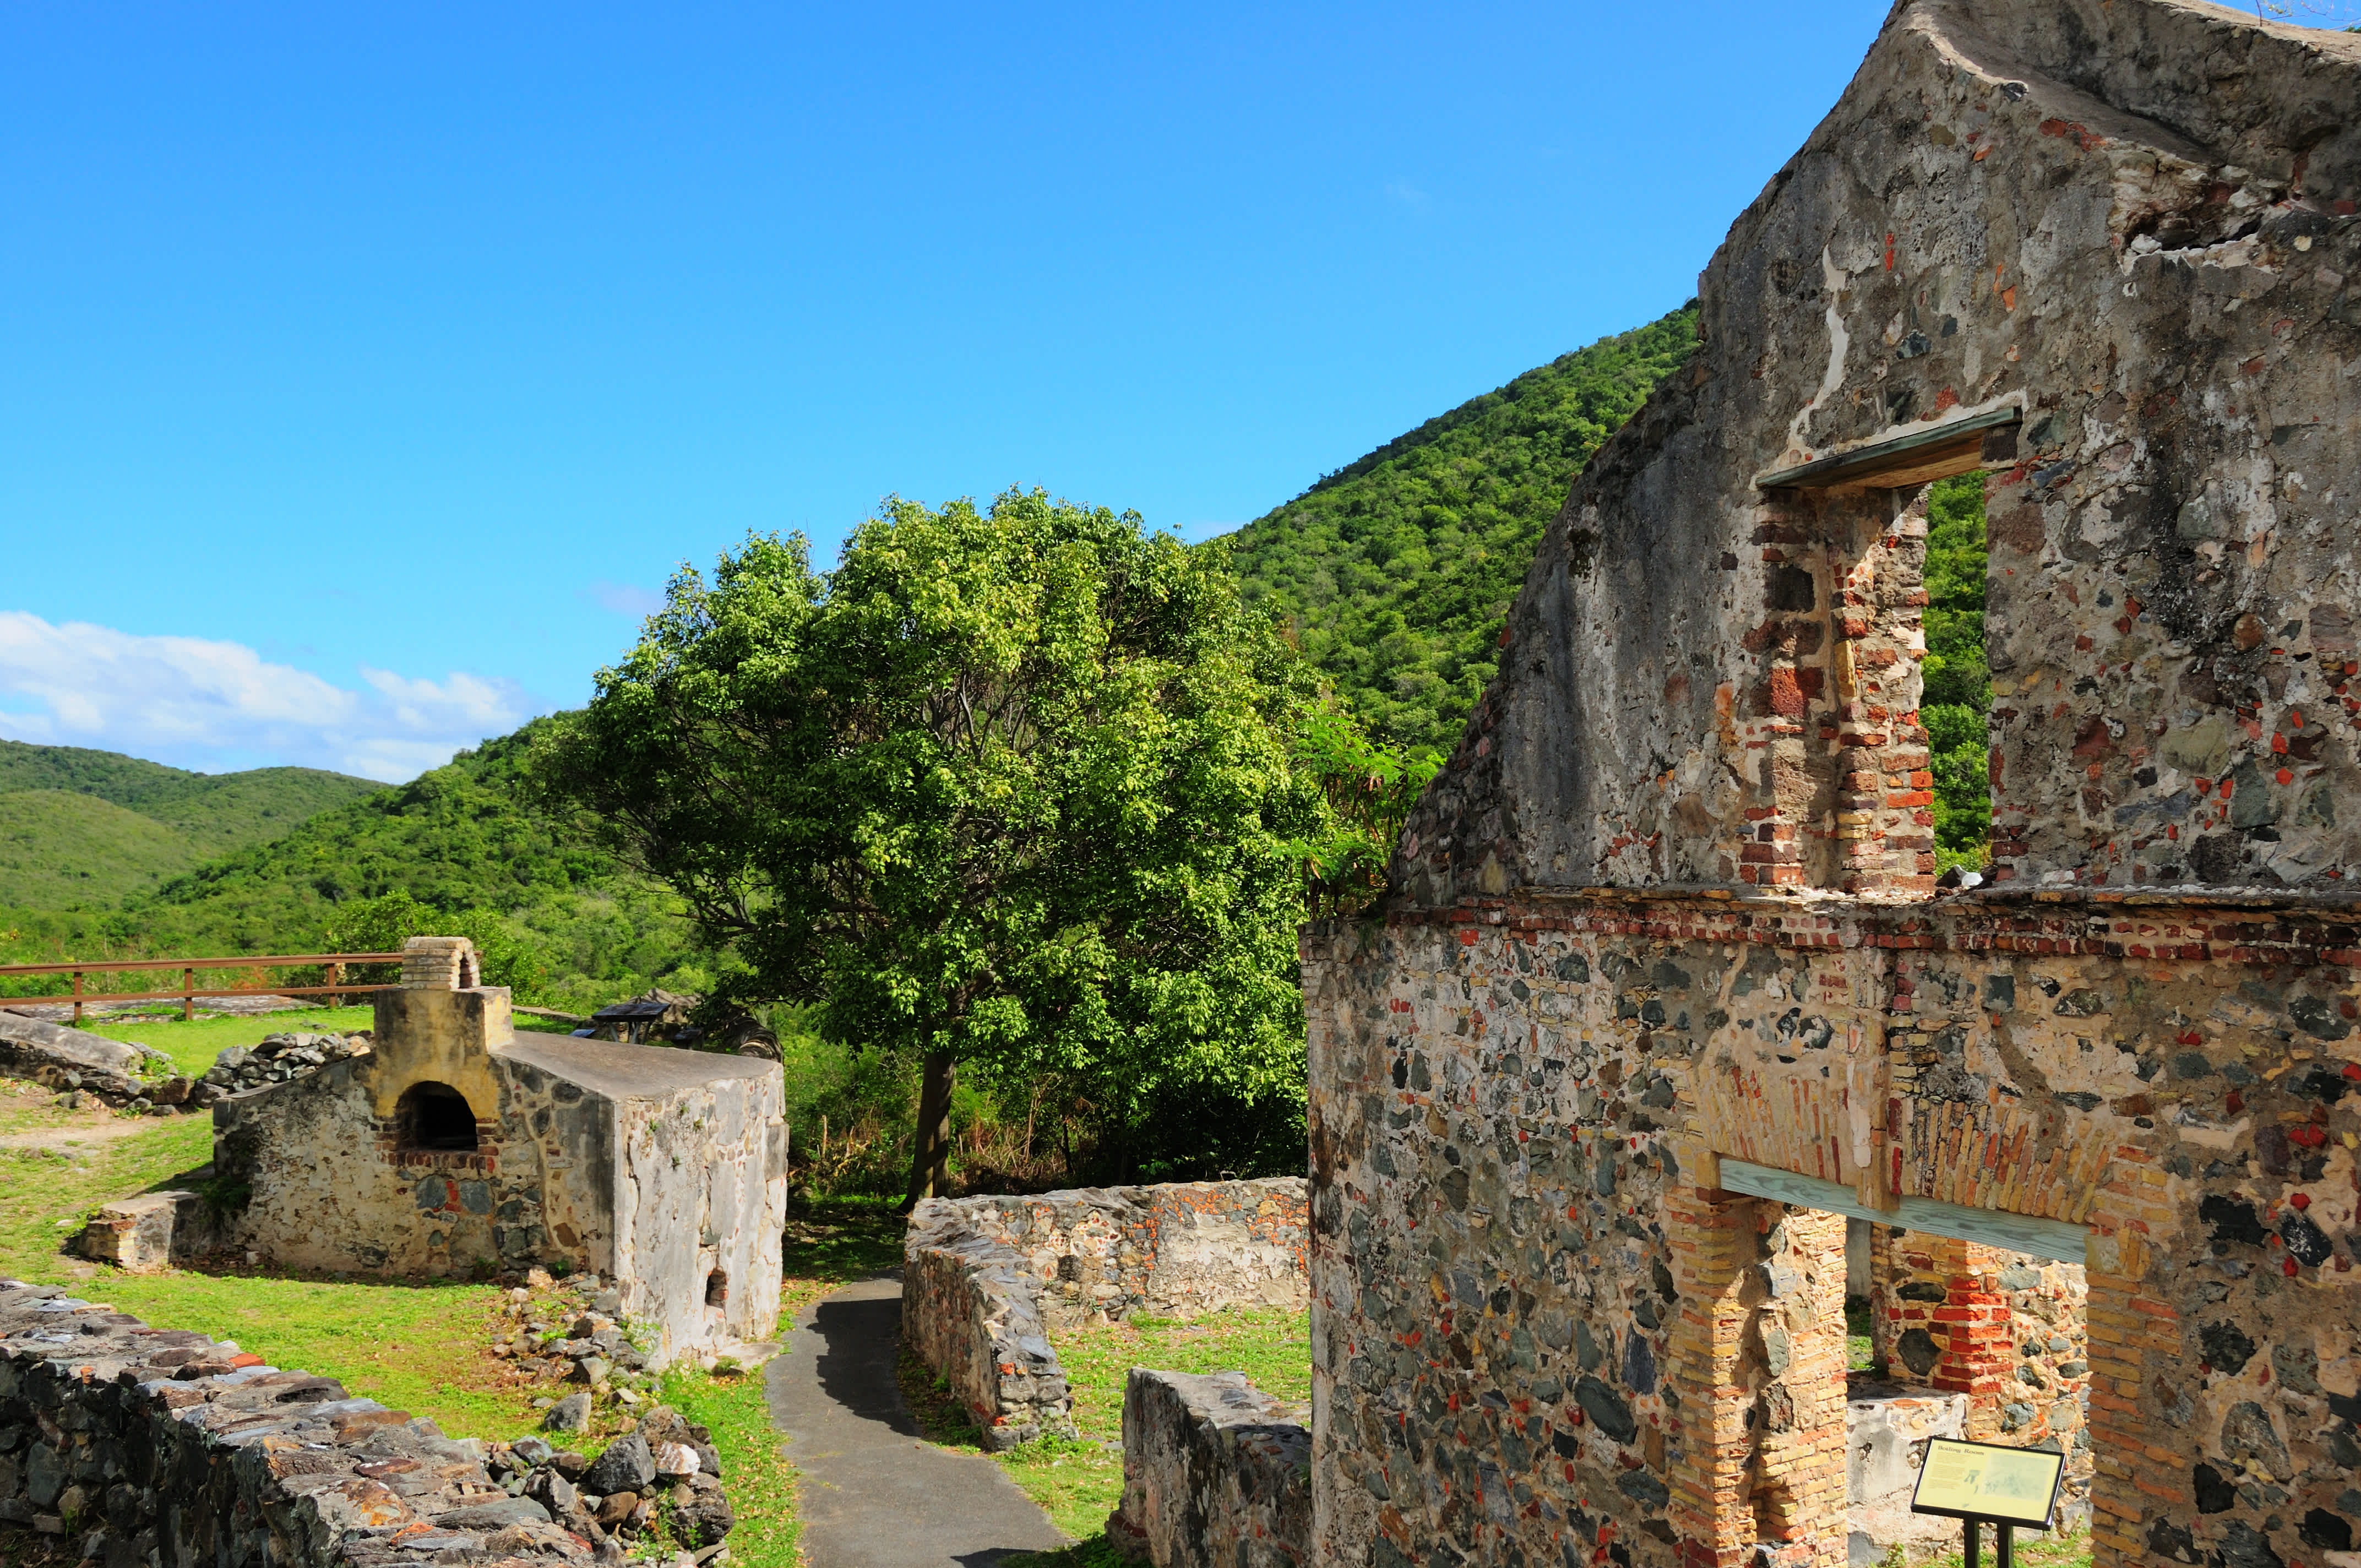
x: 188, y: 994
x: 77, y: 995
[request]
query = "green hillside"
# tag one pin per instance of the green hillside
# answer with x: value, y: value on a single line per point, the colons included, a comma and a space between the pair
x: 81, y: 829
x: 460, y: 840
x: 62, y: 850
x: 1397, y: 570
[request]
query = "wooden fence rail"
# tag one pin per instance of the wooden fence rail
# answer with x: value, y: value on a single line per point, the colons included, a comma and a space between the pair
x: 335, y: 990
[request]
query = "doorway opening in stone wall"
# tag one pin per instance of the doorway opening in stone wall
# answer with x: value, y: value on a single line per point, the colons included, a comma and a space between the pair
x: 1845, y: 1343
x: 1955, y: 1338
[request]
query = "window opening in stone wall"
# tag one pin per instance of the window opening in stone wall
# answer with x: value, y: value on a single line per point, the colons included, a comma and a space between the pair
x: 1955, y: 699
x: 717, y: 1288
x: 435, y: 1118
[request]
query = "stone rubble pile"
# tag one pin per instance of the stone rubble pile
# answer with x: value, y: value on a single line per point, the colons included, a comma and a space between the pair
x: 278, y: 1059
x: 567, y: 1332
x: 139, y: 1445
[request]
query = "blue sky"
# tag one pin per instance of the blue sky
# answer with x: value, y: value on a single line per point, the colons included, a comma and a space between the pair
x: 370, y: 370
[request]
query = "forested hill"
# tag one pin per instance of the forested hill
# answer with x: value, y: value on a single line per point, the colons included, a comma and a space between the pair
x: 82, y: 829
x: 1397, y: 570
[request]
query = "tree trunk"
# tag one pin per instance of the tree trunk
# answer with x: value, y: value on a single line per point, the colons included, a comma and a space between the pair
x: 930, y: 1151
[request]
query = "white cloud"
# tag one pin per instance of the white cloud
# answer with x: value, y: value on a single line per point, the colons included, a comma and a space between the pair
x: 220, y: 706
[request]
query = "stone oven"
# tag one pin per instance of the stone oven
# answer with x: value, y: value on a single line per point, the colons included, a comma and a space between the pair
x: 458, y: 1146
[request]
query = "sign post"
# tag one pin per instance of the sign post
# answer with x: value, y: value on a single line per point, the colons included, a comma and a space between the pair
x: 1985, y: 1483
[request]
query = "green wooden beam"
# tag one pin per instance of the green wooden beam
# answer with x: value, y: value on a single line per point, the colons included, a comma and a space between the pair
x: 2053, y: 1239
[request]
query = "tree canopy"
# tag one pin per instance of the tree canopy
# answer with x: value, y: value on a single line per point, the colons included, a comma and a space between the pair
x: 1011, y: 785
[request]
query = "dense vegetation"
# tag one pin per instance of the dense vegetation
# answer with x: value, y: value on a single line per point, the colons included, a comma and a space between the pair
x: 1958, y: 692
x: 84, y: 829
x: 1396, y: 572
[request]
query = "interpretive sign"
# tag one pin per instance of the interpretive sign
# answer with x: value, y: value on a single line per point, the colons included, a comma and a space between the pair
x: 1985, y: 1481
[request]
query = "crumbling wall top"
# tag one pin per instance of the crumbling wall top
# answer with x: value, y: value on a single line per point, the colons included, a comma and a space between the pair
x: 2118, y: 232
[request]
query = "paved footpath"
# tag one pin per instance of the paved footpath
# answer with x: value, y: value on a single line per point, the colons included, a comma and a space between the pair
x: 875, y: 1495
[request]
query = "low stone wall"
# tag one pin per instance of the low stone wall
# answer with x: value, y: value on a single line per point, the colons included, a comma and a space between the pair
x: 986, y: 1278
x: 1216, y: 1473
x: 148, y: 1446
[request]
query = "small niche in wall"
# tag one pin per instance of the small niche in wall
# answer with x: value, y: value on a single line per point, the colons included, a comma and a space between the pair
x: 717, y: 1288
x: 435, y: 1118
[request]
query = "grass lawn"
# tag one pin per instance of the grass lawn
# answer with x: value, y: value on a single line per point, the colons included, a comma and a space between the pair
x: 421, y: 1346
x: 1078, y: 1484
x: 193, y: 1045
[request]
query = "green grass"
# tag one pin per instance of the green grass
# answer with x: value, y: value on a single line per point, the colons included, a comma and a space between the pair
x: 1078, y: 1484
x: 835, y: 1243
x: 193, y: 1045
x: 1861, y: 1344
x: 419, y: 1347
x: 754, y: 1467
x: 2067, y: 1549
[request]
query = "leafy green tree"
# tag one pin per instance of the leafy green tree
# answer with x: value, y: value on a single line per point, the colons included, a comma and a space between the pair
x: 1009, y: 786
x: 1958, y: 686
x: 1370, y: 790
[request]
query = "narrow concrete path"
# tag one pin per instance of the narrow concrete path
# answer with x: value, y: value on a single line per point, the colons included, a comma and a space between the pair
x: 875, y: 1495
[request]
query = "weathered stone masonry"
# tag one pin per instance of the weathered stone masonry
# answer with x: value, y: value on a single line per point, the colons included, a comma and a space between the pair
x: 1668, y: 904
x: 986, y: 1278
x: 455, y: 1145
x: 153, y: 1447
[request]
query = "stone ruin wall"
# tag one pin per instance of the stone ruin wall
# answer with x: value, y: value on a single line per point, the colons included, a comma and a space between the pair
x: 141, y: 1446
x: 1670, y: 902
x: 1216, y: 1473
x: 986, y: 1280
x: 332, y: 1189
x: 1538, y: 1325
x: 2130, y: 226
x: 2008, y: 1329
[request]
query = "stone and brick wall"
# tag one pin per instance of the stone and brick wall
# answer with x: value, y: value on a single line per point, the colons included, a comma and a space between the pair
x: 986, y: 1278
x: 142, y: 1446
x: 2006, y: 1329
x: 1539, y: 1322
x: 1216, y: 1473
